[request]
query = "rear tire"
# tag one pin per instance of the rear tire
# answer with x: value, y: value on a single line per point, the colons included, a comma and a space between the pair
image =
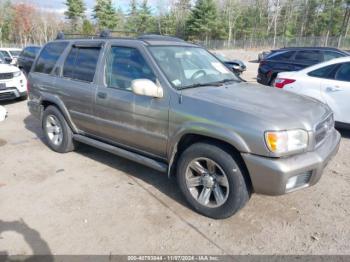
x: 58, y: 135
x: 212, y: 180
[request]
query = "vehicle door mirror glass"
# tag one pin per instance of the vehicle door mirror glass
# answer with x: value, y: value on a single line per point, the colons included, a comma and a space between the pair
x: 145, y: 87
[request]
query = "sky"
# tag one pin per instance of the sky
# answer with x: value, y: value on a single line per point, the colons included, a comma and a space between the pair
x: 59, y: 6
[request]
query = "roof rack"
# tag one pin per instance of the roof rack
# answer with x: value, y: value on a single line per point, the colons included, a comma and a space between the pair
x: 108, y: 34
x: 159, y: 38
x: 61, y: 36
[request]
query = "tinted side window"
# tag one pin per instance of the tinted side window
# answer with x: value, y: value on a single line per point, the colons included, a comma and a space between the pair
x: 81, y: 63
x: 329, y: 55
x: 309, y: 55
x: 325, y: 72
x: 49, y: 56
x: 5, y: 54
x: 282, y: 55
x: 343, y: 74
x: 124, y: 65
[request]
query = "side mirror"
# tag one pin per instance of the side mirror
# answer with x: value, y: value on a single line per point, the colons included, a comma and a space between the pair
x: 145, y: 87
x: 236, y: 67
x: 8, y: 60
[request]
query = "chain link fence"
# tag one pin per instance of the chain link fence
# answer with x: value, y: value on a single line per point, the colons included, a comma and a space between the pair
x: 270, y: 43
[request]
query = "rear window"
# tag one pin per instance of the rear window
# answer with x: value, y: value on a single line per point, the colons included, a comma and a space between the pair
x: 49, y: 56
x: 81, y: 63
x: 309, y: 56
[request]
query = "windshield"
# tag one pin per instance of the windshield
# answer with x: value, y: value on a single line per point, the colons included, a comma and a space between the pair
x: 15, y: 53
x: 187, y: 67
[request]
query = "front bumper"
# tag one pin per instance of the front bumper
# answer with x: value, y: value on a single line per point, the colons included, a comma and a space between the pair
x: 14, y: 88
x: 270, y: 176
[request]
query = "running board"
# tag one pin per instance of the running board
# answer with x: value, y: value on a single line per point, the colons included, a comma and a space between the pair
x: 159, y: 166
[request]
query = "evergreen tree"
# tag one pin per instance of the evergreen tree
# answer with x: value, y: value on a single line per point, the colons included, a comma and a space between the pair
x: 145, y: 19
x: 204, y: 21
x: 132, y: 19
x: 75, y: 12
x: 88, y: 27
x: 105, y: 14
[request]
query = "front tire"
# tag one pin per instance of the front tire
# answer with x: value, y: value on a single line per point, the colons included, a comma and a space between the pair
x: 212, y: 180
x: 58, y: 135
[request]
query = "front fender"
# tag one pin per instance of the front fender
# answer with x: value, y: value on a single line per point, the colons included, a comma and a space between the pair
x: 210, y: 131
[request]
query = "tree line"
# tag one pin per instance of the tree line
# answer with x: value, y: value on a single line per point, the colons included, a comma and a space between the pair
x: 192, y: 20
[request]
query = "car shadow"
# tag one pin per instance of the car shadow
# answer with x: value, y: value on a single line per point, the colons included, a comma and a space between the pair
x: 167, y: 186
x: 33, y: 125
x: 10, y: 102
x: 40, y: 249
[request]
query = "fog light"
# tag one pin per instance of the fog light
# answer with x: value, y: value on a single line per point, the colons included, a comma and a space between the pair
x: 298, y: 181
x: 291, y: 182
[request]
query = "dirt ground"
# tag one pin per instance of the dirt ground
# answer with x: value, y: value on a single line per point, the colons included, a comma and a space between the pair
x: 92, y: 202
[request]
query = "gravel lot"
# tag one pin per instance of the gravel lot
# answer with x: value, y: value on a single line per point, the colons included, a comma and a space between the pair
x: 92, y: 202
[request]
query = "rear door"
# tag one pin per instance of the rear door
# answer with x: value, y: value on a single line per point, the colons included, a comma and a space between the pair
x: 41, y: 77
x: 336, y: 92
x: 75, y: 83
x: 136, y: 122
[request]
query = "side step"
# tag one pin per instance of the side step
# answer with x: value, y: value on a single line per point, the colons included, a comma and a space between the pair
x: 159, y: 166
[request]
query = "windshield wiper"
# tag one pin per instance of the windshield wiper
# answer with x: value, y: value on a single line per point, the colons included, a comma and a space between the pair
x: 217, y: 83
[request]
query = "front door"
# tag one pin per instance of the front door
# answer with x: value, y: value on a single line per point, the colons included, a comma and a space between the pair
x: 136, y: 122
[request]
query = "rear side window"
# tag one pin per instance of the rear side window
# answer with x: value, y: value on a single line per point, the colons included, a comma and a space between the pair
x: 325, y: 72
x: 308, y: 55
x: 343, y: 74
x: 329, y: 55
x: 282, y: 55
x: 49, y: 56
x: 81, y: 63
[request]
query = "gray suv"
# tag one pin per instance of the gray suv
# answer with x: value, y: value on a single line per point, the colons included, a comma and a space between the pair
x: 174, y: 107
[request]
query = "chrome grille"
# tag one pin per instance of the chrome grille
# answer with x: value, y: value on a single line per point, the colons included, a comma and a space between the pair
x: 6, y: 76
x: 323, y: 128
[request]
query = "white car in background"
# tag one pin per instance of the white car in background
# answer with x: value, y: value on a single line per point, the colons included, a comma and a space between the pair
x: 13, y: 83
x: 328, y: 82
x: 3, y: 113
x: 11, y: 54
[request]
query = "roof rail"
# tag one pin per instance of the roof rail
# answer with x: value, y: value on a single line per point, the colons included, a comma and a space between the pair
x: 159, y: 37
x: 61, y: 36
x: 106, y: 33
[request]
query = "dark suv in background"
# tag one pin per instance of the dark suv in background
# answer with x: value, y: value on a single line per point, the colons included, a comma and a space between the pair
x: 294, y: 59
x: 27, y: 57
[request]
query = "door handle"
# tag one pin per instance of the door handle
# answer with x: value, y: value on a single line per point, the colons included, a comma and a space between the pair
x: 333, y: 89
x: 102, y: 95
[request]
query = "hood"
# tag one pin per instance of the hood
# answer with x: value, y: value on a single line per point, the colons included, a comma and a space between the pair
x: 272, y: 107
x: 6, y: 68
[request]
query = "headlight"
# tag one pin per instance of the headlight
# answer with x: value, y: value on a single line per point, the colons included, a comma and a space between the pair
x: 282, y: 142
x: 17, y: 73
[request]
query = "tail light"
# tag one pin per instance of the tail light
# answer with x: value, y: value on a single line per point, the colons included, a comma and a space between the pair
x: 281, y: 82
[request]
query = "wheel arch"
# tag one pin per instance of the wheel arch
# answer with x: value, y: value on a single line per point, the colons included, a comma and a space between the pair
x: 234, y: 148
x: 53, y: 100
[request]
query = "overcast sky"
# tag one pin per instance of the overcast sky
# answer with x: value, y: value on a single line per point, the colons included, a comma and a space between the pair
x: 59, y: 6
